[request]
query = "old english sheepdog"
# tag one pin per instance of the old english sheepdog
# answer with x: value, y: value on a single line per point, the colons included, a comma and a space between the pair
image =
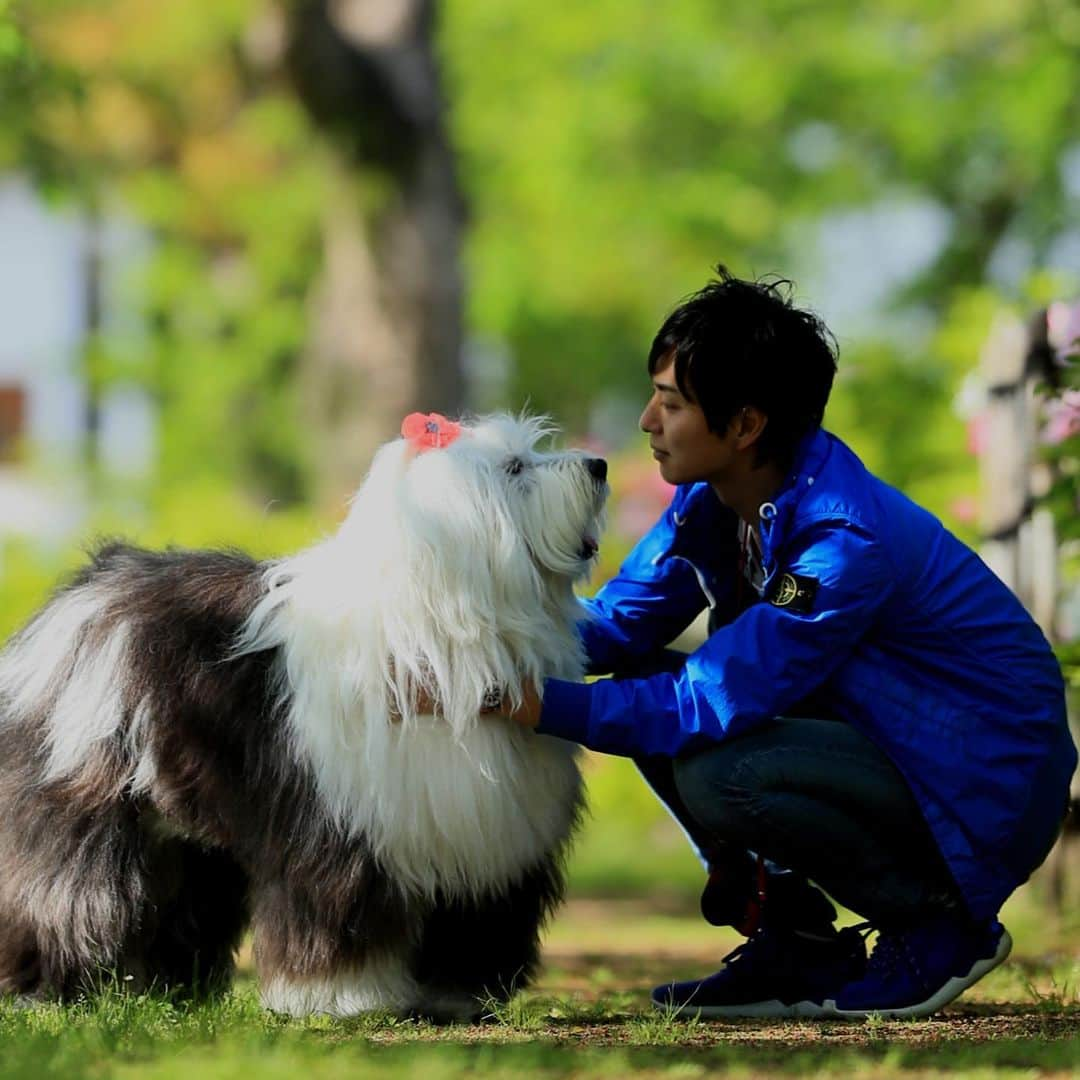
x: 193, y: 742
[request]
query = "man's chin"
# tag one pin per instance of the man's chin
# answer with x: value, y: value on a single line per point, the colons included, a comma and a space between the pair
x: 668, y: 473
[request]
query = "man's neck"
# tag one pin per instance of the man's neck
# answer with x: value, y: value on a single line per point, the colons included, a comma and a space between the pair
x: 748, y: 489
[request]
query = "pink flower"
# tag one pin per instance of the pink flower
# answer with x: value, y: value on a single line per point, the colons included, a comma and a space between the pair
x: 1063, y: 327
x: 978, y: 434
x: 1062, y: 418
x: 429, y: 431
x: 965, y: 509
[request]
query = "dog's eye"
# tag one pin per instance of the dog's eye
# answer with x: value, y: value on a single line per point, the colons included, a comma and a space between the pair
x: 514, y: 466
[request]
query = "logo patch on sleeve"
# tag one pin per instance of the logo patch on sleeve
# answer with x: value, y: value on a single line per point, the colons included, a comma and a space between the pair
x: 795, y: 593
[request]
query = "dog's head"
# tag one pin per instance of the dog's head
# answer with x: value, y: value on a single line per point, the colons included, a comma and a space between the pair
x: 549, y: 502
x: 476, y: 542
x: 493, y: 504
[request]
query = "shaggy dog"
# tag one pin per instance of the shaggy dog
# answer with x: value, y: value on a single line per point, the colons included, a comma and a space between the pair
x: 194, y: 742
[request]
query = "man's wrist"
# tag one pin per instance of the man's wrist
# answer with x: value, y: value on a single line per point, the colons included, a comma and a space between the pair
x: 565, y: 710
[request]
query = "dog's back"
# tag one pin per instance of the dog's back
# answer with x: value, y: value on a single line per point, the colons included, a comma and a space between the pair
x: 98, y: 694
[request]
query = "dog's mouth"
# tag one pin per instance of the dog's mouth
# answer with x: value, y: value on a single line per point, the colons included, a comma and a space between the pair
x: 590, y: 542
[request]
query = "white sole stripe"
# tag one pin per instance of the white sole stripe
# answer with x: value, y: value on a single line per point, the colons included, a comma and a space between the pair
x: 949, y: 992
x: 773, y: 1009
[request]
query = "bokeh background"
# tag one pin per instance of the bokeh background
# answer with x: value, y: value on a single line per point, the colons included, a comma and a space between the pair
x: 240, y: 239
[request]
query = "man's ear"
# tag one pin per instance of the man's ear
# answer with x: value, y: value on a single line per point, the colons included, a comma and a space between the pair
x: 748, y: 425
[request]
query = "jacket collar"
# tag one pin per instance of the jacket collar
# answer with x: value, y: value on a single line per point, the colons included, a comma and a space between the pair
x: 776, y: 515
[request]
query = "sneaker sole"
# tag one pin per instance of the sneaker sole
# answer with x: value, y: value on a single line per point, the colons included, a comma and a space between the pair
x: 949, y: 992
x: 755, y: 1010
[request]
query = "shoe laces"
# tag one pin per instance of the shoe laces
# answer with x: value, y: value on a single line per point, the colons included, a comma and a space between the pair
x: 765, y: 942
x: 760, y: 941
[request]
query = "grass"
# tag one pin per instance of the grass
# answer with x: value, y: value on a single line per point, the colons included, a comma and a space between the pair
x: 588, y: 1016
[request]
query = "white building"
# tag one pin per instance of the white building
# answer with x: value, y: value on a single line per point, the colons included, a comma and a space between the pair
x: 43, y: 400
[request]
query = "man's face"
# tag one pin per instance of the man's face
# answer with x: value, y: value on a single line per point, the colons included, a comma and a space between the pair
x: 680, y: 439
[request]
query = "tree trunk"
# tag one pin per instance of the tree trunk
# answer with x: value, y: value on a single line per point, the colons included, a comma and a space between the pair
x: 387, y: 312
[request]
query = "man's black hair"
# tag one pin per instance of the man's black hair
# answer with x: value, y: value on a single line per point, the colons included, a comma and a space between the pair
x: 739, y: 343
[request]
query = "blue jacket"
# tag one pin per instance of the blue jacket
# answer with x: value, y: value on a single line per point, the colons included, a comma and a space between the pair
x: 896, y: 626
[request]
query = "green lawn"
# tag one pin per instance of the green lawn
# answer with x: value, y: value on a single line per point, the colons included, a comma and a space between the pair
x: 588, y: 1016
x: 631, y: 923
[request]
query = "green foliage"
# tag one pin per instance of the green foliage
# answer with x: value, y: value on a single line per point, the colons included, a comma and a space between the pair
x: 652, y: 147
x: 192, y: 516
x: 11, y: 39
x: 896, y: 411
x: 160, y: 113
x: 665, y: 1027
x: 519, y: 1013
x: 630, y: 845
x: 1063, y: 456
x: 610, y: 157
x: 31, y: 83
x: 27, y: 576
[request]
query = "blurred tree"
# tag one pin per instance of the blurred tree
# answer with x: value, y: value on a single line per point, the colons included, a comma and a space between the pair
x: 158, y: 112
x: 611, y: 152
x: 29, y: 84
x: 386, y: 337
x: 282, y: 258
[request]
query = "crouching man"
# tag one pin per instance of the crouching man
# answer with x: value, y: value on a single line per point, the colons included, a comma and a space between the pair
x: 873, y: 710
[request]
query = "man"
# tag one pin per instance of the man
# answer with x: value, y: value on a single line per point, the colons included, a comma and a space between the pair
x: 872, y: 710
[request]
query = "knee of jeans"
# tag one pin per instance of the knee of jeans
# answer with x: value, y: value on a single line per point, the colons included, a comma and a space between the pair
x: 718, y: 788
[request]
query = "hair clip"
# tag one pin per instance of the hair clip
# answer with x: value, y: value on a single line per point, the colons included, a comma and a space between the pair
x: 429, y: 431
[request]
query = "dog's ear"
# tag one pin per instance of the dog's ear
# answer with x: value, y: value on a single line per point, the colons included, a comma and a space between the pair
x: 444, y: 512
x: 445, y: 595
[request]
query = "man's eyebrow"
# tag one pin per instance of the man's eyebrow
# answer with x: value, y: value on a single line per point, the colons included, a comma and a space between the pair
x: 665, y: 388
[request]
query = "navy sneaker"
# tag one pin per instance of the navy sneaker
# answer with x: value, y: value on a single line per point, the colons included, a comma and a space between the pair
x: 779, y: 972
x: 915, y: 972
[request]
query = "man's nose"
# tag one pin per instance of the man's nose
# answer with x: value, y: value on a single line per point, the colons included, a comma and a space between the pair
x: 646, y: 422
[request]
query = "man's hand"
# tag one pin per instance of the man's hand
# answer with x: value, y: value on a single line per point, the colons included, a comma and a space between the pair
x: 424, y: 705
x: 528, y: 715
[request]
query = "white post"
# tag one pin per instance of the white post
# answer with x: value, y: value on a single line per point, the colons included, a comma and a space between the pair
x: 1021, y: 544
x: 1005, y: 463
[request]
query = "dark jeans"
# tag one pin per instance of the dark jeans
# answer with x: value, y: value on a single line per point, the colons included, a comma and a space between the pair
x: 819, y: 799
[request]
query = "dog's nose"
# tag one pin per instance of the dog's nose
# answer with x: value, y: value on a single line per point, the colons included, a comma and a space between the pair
x: 597, y: 468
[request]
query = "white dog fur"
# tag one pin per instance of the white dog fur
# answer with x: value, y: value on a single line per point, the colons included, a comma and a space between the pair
x: 190, y: 741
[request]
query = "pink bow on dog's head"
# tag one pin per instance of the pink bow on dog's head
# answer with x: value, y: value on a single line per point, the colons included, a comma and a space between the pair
x: 429, y: 431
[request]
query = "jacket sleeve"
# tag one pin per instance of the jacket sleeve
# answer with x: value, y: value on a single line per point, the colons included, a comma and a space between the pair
x: 747, y: 671
x: 656, y: 594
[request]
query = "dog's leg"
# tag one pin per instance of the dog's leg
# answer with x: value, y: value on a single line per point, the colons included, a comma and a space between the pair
x: 73, y: 892
x: 475, y: 951
x: 20, y: 959
x: 326, y: 943
x: 380, y: 983
x: 194, y: 920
